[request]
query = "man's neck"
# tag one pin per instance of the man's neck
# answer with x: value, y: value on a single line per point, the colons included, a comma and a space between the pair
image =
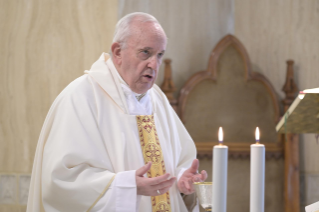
x: 122, y: 81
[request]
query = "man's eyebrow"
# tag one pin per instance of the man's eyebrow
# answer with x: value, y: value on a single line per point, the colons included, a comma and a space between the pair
x: 150, y: 48
x: 146, y: 48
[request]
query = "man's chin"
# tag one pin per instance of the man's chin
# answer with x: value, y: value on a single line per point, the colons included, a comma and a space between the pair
x: 144, y: 88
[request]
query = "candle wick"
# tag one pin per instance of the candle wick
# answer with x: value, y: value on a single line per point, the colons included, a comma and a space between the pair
x: 257, y: 141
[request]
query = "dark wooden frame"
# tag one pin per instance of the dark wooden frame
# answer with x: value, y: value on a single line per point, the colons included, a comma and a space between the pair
x: 235, y: 149
x: 288, y: 149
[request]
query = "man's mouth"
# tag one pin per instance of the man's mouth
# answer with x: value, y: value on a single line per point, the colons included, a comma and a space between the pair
x: 148, y: 76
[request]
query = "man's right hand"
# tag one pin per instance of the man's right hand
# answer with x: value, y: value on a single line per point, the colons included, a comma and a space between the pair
x: 149, y: 186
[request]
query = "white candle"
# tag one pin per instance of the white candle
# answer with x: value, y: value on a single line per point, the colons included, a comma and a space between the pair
x: 220, y: 159
x: 257, y: 175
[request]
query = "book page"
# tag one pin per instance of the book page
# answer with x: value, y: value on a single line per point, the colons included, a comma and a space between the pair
x: 313, y: 207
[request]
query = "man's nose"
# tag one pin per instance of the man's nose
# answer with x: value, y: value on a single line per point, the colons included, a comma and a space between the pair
x: 153, y: 63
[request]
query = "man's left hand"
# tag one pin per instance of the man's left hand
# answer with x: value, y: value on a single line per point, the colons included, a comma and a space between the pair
x: 185, y: 183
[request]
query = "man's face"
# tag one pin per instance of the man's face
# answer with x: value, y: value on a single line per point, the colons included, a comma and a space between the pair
x: 142, y: 56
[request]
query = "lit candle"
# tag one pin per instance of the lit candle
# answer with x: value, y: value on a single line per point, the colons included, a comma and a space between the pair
x: 220, y: 159
x: 257, y: 175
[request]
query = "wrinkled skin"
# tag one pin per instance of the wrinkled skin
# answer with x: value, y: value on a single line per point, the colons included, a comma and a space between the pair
x: 139, y: 61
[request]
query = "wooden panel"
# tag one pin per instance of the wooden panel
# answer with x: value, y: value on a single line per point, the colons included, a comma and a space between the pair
x: 292, y: 192
x: 231, y: 95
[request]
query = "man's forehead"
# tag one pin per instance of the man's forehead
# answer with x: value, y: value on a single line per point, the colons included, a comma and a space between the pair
x: 148, y: 41
x: 152, y: 45
x: 139, y: 28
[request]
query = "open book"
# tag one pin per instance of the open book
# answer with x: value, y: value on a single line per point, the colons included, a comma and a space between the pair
x: 303, y: 114
x: 313, y: 207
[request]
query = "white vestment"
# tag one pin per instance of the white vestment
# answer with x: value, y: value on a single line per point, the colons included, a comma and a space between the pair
x: 89, y: 148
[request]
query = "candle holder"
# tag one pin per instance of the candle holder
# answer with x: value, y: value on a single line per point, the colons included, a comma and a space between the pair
x: 204, y: 192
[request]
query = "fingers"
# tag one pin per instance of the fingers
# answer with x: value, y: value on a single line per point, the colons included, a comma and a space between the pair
x: 194, y: 166
x: 200, y: 177
x: 182, y: 186
x: 141, y: 171
x: 193, y: 169
x: 163, y: 187
x: 197, y: 178
x: 187, y: 187
x: 162, y: 191
x: 188, y: 184
x: 164, y: 184
x: 149, y: 186
x: 159, y: 179
x: 204, y: 175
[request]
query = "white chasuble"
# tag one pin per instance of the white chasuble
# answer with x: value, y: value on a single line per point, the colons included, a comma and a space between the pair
x: 89, y: 148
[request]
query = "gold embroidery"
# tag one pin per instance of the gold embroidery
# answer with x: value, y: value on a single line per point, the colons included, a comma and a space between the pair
x: 152, y: 152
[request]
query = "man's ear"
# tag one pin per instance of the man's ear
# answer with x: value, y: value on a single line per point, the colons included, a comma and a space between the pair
x: 116, y: 53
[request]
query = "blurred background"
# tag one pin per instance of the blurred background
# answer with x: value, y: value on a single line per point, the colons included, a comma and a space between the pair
x: 46, y: 44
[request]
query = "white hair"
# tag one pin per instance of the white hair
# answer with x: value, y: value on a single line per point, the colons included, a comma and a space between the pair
x: 123, y: 27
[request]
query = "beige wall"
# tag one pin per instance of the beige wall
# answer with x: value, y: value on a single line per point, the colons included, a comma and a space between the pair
x: 44, y: 45
x: 193, y: 28
x: 272, y: 32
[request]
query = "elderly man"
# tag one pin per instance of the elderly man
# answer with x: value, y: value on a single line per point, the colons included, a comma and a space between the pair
x: 111, y: 141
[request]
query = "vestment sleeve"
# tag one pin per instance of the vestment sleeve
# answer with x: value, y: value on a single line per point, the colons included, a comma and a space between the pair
x: 188, y: 150
x: 121, y: 196
x: 76, y: 169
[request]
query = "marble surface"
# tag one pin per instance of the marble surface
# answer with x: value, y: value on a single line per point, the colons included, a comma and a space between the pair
x: 8, y: 189
x: 14, y: 191
x: 24, y: 184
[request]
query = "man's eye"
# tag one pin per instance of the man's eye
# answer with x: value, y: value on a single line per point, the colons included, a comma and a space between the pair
x: 160, y: 55
x: 146, y: 52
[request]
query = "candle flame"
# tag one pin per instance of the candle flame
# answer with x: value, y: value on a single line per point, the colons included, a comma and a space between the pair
x: 257, y: 134
x: 220, y: 135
